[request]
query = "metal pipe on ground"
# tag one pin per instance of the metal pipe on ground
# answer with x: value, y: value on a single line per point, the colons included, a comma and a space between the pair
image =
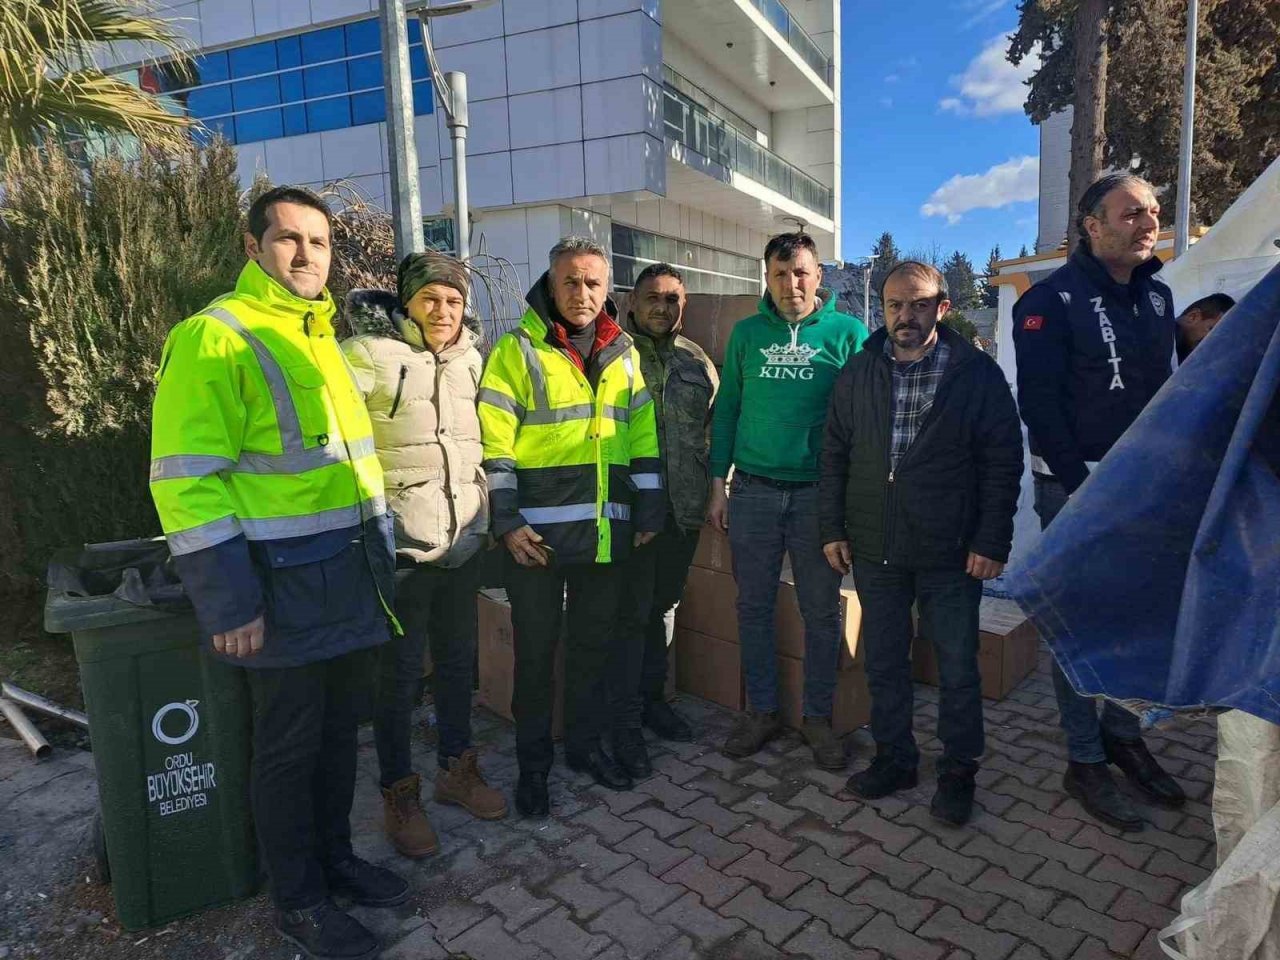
x: 37, y: 744
x: 39, y: 704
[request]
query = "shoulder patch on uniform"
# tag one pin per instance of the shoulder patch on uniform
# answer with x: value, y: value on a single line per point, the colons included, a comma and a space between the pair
x: 1157, y: 301
x: 1033, y: 322
x: 1066, y: 296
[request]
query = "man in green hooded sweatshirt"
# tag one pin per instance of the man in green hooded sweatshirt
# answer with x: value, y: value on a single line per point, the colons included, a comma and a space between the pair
x: 780, y: 367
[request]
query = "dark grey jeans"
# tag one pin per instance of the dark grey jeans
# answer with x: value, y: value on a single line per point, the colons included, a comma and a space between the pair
x: 1079, y: 715
x: 766, y: 523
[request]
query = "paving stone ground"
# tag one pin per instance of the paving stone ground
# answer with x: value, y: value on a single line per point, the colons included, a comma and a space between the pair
x: 763, y: 858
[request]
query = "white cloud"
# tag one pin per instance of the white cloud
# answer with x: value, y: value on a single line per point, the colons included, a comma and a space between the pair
x: 990, y: 84
x: 1015, y: 181
x: 980, y: 10
x: 892, y: 78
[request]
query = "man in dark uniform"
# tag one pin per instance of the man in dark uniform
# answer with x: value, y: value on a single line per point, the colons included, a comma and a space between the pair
x: 1094, y: 342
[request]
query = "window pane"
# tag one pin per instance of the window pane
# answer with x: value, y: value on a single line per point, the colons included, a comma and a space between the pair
x: 424, y: 98
x: 291, y: 89
x: 321, y: 81
x: 223, y: 126
x: 415, y: 30
x: 368, y: 108
x: 295, y: 121
x: 363, y: 37
x: 418, y: 64
x: 289, y: 52
x: 254, y: 59
x: 212, y: 67
x: 321, y: 45
x: 259, y: 125
x: 263, y: 92
x: 329, y: 114
x: 365, y: 72
x: 207, y: 102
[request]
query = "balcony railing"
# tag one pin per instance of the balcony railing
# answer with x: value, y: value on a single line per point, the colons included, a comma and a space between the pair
x: 718, y: 140
x: 776, y: 12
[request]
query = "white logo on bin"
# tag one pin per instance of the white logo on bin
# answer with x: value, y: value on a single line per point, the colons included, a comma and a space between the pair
x: 187, y: 707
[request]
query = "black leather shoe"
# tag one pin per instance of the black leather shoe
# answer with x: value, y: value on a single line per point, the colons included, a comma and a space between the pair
x: 660, y: 717
x: 531, y: 795
x: 1144, y: 772
x: 880, y: 779
x: 326, y: 933
x: 1095, y: 788
x: 631, y: 754
x: 365, y: 884
x: 602, y: 767
x: 953, y: 801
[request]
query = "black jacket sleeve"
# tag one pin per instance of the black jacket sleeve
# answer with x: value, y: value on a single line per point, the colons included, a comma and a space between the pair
x: 834, y: 467
x: 998, y: 455
x: 1043, y: 352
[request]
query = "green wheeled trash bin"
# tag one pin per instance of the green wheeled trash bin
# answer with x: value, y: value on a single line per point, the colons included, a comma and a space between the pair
x: 170, y: 727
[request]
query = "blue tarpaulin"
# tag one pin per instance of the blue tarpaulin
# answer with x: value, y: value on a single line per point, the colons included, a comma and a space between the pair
x: 1160, y: 579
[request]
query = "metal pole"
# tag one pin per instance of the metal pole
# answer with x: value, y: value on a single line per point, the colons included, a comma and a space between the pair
x: 402, y: 151
x: 38, y: 703
x: 24, y: 728
x: 1182, y: 226
x: 458, y: 123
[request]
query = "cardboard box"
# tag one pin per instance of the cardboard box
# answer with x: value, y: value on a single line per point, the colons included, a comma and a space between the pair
x: 713, y: 551
x: 850, y: 709
x: 709, y: 319
x: 789, y: 625
x: 709, y: 605
x: 1008, y: 649
x: 710, y: 668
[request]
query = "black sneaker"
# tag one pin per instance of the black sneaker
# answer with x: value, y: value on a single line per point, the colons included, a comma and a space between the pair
x: 660, y: 717
x: 324, y: 932
x: 631, y: 754
x: 880, y: 779
x: 752, y: 731
x: 1097, y: 791
x: 953, y: 801
x: 532, y: 799
x: 1144, y: 772
x: 364, y: 884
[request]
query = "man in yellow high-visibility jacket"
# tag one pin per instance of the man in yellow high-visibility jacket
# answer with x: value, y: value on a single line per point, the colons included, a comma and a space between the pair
x: 269, y: 491
x: 575, y: 483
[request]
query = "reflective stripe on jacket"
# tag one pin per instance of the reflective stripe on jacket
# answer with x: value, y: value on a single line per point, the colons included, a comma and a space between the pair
x: 578, y: 465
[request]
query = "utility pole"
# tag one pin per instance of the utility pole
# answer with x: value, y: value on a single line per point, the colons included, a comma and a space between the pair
x: 1182, y: 224
x: 866, y: 287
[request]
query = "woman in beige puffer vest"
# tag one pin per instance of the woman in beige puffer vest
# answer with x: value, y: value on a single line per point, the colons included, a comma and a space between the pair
x: 417, y: 365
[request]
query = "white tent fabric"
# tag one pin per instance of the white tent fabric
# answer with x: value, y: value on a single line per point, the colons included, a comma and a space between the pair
x: 1237, y: 251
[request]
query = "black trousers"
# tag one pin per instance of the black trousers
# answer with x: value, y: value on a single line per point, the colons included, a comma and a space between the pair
x: 438, y: 607
x: 652, y: 584
x: 538, y: 606
x: 948, y: 601
x: 304, y: 769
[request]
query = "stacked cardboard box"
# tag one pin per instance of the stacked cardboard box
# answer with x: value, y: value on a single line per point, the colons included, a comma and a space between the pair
x: 708, y: 659
x: 1008, y: 648
x: 709, y: 319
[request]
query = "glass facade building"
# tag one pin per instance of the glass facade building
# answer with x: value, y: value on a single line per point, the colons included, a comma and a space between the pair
x: 705, y: 269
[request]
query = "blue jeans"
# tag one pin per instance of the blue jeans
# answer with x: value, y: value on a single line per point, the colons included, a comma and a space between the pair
x: 1078, y: 714
x: 949, y: 601
x: 766, y: 523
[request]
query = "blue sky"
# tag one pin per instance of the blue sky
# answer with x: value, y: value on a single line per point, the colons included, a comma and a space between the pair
x: 928, y: 98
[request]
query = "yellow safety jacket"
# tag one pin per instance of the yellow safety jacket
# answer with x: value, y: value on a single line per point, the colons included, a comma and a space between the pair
x: 263, y: 461
x: 578, y: 464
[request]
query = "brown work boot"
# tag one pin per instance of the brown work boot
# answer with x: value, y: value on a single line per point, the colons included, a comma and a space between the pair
x: 828, y: 751
x: 463, y: 784
x: 752, y: 731
x: 407, y: 825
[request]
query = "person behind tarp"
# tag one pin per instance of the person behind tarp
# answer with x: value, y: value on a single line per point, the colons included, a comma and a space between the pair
x: 1094, y: 342
x: 418, y: 368
x: 264, y: 475
x: 920, y: 473
x: 575, y: 484
x: 1198, y: 319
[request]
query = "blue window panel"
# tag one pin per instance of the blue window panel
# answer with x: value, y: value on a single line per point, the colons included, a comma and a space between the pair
x: 365, y: 72
x: 329, y: 114
x: 224, y: 126
x: 295, y: 120
x: 363, y: 37
x: 254, y: 59
x: 424, y: 98
x: 289, y: 52
x: 212, y: 67
x: 291, y: 87
x: 262, y: 92
x: 418, y: 64
x: 259, y: 125
x: 205, y: 102
x: 322, y: 81
x: 415, y: 30
x: 368, y: 108
x: 321, y: 45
